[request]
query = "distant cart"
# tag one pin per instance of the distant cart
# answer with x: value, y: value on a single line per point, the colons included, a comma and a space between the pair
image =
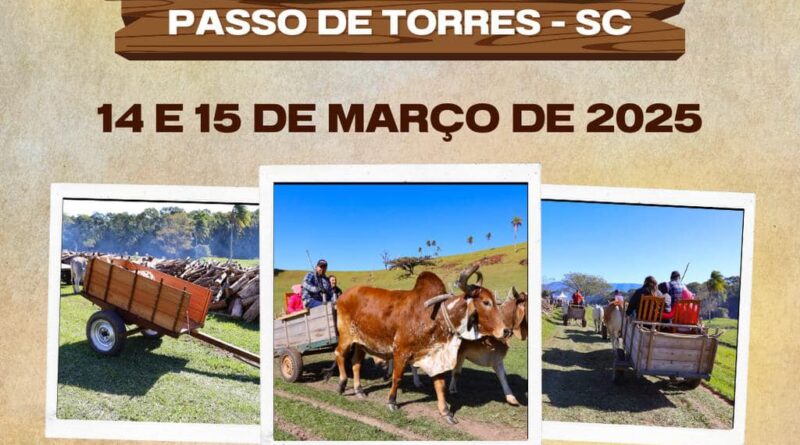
x: 575, y: 312
x: 156, y: 303
x: 307, y: 332
x: 680, y: 351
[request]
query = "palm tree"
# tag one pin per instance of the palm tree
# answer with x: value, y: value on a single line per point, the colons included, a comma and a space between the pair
x: 488, y: 236
x: 469, y: 241
x: 239, y: 219
x: 419, y: 250
x: 718, y: 287
x: 516, y: 222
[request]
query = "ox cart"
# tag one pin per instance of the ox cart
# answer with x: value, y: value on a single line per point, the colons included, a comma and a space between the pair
x: 306, y: 332
x: 575, y: 312
x: 156, y: 303
x: 677, y: 351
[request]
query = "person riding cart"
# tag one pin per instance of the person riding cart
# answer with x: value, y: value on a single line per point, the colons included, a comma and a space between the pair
x: 577, y: 298
x: 316, y: 286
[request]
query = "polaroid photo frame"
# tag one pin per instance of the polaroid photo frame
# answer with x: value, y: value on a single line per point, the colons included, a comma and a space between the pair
x: 404, y: 174
x: 654, y: 435
x: 127, y: 430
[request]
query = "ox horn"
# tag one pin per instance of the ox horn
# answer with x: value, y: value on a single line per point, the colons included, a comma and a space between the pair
x: 462, y: 280
x: 436, y: 300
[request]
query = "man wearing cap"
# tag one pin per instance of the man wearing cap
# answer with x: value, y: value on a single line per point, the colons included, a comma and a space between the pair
x: 316, y: 286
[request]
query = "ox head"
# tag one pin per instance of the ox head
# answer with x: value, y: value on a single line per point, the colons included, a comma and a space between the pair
x: 518, y: 321
x: 483, y: 316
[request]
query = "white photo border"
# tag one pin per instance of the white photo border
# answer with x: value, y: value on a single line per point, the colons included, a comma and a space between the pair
x: 654, y: 435
x: 127, y: 430
x: 529, y: 174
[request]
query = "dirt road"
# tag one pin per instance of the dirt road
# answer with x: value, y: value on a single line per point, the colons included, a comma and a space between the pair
x: 577, y: 387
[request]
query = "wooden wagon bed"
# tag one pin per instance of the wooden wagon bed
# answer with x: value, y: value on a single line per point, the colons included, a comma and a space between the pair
x: 306, y: 330
x: 650, y: 349
x: 163, y: 302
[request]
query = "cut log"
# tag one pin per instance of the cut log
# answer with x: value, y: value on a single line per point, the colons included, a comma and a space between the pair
x: 236, y: 308
x: 252, y: 313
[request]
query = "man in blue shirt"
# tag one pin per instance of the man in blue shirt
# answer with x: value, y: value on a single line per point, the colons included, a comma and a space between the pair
x: 675, y: 286
x: 316, y: 286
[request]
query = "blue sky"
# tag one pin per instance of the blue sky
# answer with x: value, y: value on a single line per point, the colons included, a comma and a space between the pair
x: 625, y: 243
x: 351, y: 225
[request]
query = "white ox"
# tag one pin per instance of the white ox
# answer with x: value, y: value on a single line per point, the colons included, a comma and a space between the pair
x: 490, y: 353
x: 612, y: 317
x: 597, y: 318
x: 77, y: 267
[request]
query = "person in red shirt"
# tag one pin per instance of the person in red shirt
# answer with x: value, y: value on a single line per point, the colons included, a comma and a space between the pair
x: 577, y: 298
x: 295, y: 302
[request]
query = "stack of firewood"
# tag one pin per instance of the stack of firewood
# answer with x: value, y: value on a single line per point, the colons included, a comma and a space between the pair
x: 234, y: 288
x: 68, y: 255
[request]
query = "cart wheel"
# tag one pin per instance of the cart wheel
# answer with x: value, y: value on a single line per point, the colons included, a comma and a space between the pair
x: 151, y: 333
x: 691, y: 383
x: 106, y: 333
x: 291, y: 365
x: 604, y: 332
x: 583, y: 323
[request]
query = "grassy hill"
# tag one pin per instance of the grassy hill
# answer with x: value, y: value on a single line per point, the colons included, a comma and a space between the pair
x: 501, y: 267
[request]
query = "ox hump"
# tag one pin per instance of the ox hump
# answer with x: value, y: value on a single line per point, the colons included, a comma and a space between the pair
x: 431, y: 282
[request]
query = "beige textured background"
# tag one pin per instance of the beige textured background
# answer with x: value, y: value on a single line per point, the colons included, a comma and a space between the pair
x: 742, y: 66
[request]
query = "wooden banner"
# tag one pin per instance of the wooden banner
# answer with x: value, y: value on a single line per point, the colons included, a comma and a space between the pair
x: 146, y: 33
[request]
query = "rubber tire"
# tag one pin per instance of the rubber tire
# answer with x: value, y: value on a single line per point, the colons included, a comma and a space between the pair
x: 147, y: 333
x: 604, y: 332
x: 691, y: 383
x: 296, y: 359
x: 118, y: 327
x: 583, y: 323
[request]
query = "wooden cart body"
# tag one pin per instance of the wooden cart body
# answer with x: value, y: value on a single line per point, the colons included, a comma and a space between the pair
x: 308, y: 331
x: 162, y: 303
x: 650, y: 349
x: 575, y: 312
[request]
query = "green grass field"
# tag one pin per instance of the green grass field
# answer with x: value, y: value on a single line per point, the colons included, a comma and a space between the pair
x: 723, y: 378
x: 499, y: 276
x: 163, y: 380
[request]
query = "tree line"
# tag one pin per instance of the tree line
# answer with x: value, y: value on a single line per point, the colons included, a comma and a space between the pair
x: 719, y: 295
x: 170, y: 232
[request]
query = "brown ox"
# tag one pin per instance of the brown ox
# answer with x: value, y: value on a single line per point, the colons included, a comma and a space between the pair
x: 423, y: 326
x: 489, y: 351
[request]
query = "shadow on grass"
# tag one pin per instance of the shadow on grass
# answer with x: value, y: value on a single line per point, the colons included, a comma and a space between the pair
x: 240, y: 323
x: 133, y: 373
x: 586, y: 336
x: 476, y: 387
x: 592, y: 387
